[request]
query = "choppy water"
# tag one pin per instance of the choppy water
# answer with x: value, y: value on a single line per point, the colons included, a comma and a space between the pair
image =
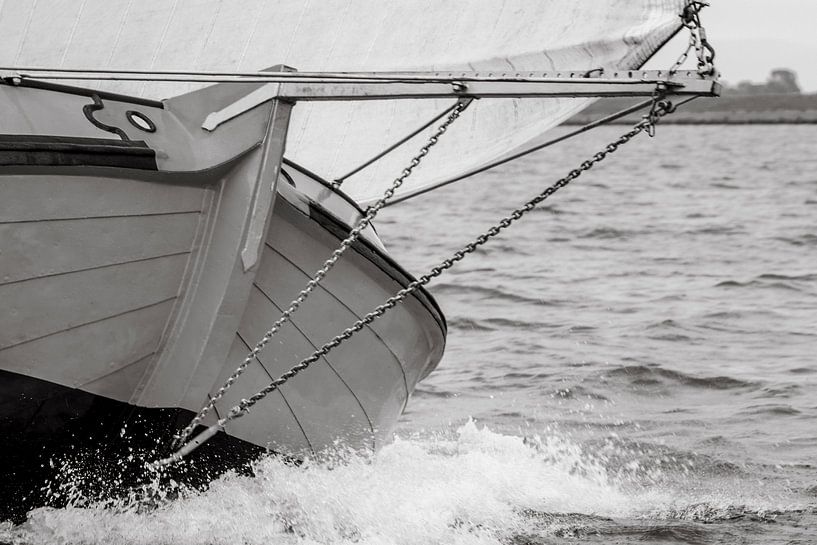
x: 633, y: 363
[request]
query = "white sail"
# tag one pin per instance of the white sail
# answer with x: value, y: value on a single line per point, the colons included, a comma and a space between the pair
x: 494, y: 36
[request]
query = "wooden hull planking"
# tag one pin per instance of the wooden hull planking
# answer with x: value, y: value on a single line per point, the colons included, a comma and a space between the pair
x: 140, y: 284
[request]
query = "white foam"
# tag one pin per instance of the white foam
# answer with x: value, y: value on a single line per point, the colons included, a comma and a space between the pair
x: 473, y: 488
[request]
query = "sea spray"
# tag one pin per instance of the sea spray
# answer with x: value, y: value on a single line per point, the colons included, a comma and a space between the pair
x: 473, y: 486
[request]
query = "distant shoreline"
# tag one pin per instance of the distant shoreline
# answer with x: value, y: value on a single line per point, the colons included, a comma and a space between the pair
x: 725, y: 110
x: 676, y: 121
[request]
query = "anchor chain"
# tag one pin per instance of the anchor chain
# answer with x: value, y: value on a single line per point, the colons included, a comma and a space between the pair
x: 697, y: 40
x: 362, y: 224
x: 659, y: 109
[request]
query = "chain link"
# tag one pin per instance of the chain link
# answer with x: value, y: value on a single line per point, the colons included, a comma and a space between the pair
x: 697, y: 40
x: 362, y: 224
x: 659, y: 109
x: 685, y: 55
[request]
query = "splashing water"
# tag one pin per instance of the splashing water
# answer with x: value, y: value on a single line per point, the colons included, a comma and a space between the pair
x: 478, y: 487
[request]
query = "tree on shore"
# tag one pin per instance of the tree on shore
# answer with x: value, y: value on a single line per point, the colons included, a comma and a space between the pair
x: 781, y: 81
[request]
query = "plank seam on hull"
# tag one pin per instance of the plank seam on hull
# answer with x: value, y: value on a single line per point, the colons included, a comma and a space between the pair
x: 291, y: 411
x: 92, y: 322
x: 355, y: 314
x: 325, y: 359
x: 117, y: 216
x: 114, y: 371
x: 98, y: 267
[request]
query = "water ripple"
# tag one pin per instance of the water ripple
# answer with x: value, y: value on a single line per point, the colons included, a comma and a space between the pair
x: 640, y: 375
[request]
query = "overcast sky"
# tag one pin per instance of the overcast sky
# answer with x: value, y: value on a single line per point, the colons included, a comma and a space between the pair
x: 751, y: 37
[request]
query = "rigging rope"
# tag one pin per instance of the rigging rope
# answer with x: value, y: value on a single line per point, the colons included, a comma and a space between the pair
x: 340, y: 179
x: 659, y: 109
x: 498, y: 162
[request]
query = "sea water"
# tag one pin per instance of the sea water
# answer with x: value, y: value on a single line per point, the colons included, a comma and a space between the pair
x: 634, y: 362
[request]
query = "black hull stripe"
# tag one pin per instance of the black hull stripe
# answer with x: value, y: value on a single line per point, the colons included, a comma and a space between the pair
x: 383, y: 261
x: 42, y: 422
x: 51, y: 151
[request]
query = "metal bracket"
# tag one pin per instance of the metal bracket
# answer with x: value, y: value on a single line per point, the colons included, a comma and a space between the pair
x: 12, y: 78
x: 244, y: 104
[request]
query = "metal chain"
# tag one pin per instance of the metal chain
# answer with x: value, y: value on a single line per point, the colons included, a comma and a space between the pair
x: 364, y: 222
x: 697, y: 40
x: 691, y: 46
x: 660, y: 108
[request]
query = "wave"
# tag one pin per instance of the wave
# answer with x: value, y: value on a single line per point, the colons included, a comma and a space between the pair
x: 423, y: 391
x: 579, y: 392
x: 807, y: 239
x: 551, y: 209
x: 696, y: 524
x: 771, y: 280
x: 781, y: 391
x: 717, y: 230
x: 494, y: 324
x: 810, y: 277
x: 460, y: 322
x: 467, y: 487
x: 642, y: 375
x: 651, y: 464
x: 710, y: 512
x: 609, y: 233
x: 777, y: 409
x: 671, y: 166
x: 486, y: 292
x: 723, y: 185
